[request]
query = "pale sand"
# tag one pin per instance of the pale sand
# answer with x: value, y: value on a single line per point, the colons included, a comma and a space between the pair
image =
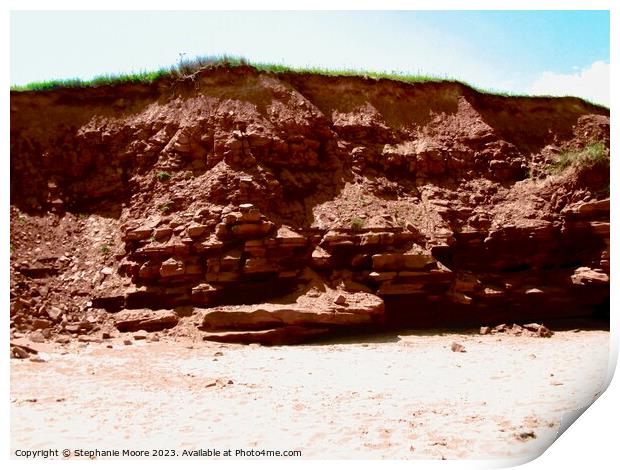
x: 399, y: 397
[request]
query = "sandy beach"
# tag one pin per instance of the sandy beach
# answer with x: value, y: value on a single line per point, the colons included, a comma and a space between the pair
x: 405, y: 396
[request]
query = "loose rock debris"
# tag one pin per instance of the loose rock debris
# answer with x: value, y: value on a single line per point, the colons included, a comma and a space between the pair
x: 529, y: 329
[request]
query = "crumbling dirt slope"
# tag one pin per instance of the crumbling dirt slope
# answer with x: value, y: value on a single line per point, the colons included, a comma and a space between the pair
x: 271, y: 206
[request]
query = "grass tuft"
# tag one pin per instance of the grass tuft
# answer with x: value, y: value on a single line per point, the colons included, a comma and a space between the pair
x: 357, y: 223
x: 163, y: 176
x: 592, y: 155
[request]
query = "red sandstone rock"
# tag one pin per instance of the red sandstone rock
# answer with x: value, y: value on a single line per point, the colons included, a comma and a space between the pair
x: 196, y: 230
x: 287, y: 237
x: 321, y: 258
x: 148, y: 320
x: 172, y: 267
x: 415, y: 259
x: 19, y: 352
x: 140, y: 334
x: 252, y: 229
x: 361, y: 309
x: 139, y: 233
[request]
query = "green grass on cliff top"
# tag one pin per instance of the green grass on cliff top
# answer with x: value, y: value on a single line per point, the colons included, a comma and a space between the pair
x: 186, y: 68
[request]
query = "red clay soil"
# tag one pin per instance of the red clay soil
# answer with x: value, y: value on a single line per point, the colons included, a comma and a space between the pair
x: 270, y: 201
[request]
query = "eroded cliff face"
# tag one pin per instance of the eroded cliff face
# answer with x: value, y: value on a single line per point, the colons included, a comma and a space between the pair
x: 257, y: 206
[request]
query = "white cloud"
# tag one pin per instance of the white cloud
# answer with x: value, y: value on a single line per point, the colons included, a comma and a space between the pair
x: 591, y: 83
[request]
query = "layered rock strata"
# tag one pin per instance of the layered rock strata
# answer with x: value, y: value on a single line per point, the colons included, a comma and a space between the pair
x: 280, y: 205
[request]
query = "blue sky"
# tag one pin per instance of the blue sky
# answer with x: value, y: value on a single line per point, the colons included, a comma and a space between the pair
x: 551, y: 52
